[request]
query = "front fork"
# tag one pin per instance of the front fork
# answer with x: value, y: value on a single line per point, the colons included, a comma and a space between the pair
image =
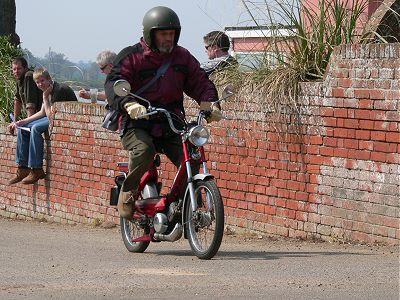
x: 190, y: 177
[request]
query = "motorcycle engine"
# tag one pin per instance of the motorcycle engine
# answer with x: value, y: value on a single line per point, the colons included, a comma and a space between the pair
x: 160, y: 223
x: 174, y: 212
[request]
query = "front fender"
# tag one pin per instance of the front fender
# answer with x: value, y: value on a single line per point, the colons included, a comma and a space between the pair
x: 202, y: 176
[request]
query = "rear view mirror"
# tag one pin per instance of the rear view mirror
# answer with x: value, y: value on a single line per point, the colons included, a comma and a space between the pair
x: 122, y: 87
x: 227, y: 91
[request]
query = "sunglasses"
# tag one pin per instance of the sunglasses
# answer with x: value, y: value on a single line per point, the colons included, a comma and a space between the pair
x: 103, y: 67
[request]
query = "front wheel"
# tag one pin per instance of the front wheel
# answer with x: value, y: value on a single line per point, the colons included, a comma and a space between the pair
x: 205, y: 226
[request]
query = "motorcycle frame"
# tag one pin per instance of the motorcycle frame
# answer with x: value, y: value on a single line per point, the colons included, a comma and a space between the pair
x: 183, y: 175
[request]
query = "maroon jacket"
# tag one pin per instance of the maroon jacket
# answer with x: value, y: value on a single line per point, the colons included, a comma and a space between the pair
x: 138, y: 65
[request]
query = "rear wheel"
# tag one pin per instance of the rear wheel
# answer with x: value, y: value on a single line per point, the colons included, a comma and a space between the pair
x: 205, y: 226
x: 132, y: 229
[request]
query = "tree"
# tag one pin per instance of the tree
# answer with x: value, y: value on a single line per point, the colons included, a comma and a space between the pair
x: 8, y: 19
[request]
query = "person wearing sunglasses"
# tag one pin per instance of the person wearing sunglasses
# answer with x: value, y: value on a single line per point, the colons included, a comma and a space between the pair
x: 105, y: 62
x: 217, y: 46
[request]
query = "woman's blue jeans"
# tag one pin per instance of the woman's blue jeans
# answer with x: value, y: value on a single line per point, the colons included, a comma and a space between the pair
x: 30, y: 144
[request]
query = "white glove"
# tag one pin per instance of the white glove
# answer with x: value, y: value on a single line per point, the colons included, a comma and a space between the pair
x: 215, y: 115
x: 135, y: 110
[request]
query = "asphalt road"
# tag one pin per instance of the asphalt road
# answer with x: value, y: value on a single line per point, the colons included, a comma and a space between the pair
x: 53, y: 261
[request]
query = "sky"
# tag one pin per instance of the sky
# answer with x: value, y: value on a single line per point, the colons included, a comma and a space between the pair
x: 81, y: 29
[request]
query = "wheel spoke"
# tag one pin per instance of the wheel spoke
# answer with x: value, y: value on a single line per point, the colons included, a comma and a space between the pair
x: 205, y: 225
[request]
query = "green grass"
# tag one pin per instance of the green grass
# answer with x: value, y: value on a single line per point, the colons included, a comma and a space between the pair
x: 7, y: 81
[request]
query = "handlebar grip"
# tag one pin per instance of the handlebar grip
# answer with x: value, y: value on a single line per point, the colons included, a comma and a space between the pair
x: 146, y: 115
x: 141, y: 117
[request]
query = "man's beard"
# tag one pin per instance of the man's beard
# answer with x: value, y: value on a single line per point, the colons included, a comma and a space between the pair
x: 165, y: 50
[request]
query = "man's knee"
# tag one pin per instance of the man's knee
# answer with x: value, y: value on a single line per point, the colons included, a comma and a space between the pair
x: 143, y: 156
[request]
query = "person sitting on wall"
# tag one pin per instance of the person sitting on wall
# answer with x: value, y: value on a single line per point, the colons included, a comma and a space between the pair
x: 29, y: 153
x: 105, y: 62
x: 28, y: 96
x: 217, y: 45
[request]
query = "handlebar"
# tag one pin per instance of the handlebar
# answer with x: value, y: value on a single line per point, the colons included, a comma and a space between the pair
x: 122, y: 88
x: 153, y: 111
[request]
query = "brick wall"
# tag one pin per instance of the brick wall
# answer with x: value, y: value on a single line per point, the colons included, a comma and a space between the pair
x: 337, y: 178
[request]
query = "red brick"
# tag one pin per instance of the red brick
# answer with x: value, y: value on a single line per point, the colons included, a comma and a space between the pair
x: 377, y: 94
x: 351, y: 123
x: 330, y: 141
x: 340, y: 152
x: 359, y: 154
x: 361, y: 93
x: 301, y: 216
x: 392, y: 116
x: 327, y: 111
x: 393, y: 137
x: 319, y: 160
x: 385, y: 147
x: 345, y: 82
x: 367, y: 145
x: 340, y: 132
x: 326, y: 151
x: 351, y: 143
x: 366, y: 124
x: 270, y: 210
x: 363, y: 134
x: 378, y: 156
x: 330, y: 122
x: 338, y: 92
x: 393, y: 94
x: 362, y: 114
x: 313, y: 149
x: 340, y: 113
x: 378, y: 136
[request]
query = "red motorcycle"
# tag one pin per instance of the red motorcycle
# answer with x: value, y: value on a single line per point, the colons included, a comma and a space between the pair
x: 192, y: 207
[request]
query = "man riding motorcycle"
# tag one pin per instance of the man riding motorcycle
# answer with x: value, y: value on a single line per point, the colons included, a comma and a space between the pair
x: 138, y: 64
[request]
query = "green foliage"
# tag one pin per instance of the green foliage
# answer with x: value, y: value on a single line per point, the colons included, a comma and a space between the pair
x: 7, y: 82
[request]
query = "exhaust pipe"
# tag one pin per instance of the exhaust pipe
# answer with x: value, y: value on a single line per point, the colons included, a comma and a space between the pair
x: 175, y: 234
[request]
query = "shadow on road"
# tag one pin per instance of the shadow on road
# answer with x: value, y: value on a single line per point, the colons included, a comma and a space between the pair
x: 261, y: 255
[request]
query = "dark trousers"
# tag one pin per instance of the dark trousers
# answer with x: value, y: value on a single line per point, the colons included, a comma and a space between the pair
x: 142, y: 147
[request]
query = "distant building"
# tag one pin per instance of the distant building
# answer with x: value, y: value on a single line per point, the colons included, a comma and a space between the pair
x: 372, y: 5
x: 255, y: 46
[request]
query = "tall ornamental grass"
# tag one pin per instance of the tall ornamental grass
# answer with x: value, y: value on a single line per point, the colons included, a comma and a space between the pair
x: 314, y: 31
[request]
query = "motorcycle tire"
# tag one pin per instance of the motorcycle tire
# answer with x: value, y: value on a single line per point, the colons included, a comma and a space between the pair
x: 205, y: 226
x: 132, y: 229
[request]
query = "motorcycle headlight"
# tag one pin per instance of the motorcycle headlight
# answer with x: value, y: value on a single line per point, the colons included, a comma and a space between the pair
x: 198, y: 135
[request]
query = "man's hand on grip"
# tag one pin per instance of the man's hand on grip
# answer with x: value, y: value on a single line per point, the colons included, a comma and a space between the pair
x: 215, y: 114
x: 135, y: 109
